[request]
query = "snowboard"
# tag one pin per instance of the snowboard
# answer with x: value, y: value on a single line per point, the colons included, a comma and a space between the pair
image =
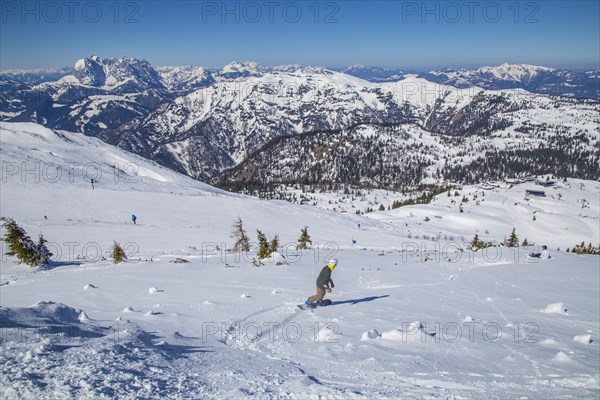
x: 316, y: 304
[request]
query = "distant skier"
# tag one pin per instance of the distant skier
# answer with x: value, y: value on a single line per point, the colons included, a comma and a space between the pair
x: 324, y: 283
x: 544, y: 255
x: 92, y: 181
x: 133, y: 218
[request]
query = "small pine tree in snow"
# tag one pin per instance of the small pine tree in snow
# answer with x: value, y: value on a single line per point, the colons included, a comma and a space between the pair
x: 263, y: 246
x: 525, y: 242
x: 304, y: 239
x: 117, y: 253
x: 274, y: 244
x: 513, y: 240
x: 15, y: 238
x: 42, y: 251
x: 21, y: 246
x: 589, y: 249
x: 242, y: 243
x: 381, y: 207
x: 476, y: 243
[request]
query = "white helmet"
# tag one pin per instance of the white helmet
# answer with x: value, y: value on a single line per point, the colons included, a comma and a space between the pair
x: 333, y: 262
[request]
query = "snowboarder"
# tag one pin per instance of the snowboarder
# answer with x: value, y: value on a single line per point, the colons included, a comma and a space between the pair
x: 133, y: 218
x: 324, y: 283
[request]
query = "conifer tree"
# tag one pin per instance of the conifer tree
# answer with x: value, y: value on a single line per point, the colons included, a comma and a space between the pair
x: 42, y: 251
x: 263, y: 246
x: 513, y: 240
x: 304, y: 239
x: 117, y: 253
x: 21, y: 246
x: 274, y: 245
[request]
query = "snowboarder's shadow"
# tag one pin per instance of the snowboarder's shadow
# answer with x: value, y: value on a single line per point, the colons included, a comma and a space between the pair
x: 356, y: 301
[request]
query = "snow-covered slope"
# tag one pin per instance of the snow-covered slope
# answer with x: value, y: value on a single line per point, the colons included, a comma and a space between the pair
x: 35, y: 155
x: 403, y: 324
x: 568, y: 214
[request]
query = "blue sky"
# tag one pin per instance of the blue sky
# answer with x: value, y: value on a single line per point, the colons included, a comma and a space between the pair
x: 406, y: 34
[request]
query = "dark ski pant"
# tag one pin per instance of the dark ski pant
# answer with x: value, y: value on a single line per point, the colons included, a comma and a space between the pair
x: 319, y: 296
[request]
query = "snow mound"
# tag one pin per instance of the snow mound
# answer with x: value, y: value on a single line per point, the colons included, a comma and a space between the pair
x: 468, y: 318
x: 555, y: 308
x: 245, y: 295
x: 327, y: 335
x: 549, y: 342
x: 562, y: 357
x: 370, y: 334
x: 153, y: 290
x: 413, y: 332
x: 278, y: 258
x: 55, y: 312
x: 276, y: 291
x: 150, y: 313
x: 584, y: 339
x: 89, y: 286
x: 128, y: 310
x: 48, y: 320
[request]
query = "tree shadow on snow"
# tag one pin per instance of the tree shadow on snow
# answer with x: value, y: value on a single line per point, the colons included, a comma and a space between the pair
x: 356, y: 301
x: 58, y: 264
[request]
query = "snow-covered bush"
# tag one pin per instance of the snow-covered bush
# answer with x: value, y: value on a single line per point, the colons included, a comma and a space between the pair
x: 478, y: 244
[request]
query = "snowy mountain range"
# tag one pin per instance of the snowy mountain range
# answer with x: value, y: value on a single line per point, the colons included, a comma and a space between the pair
x: 532, y: 78
x: 375, y: 74
x: 251, y: 123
